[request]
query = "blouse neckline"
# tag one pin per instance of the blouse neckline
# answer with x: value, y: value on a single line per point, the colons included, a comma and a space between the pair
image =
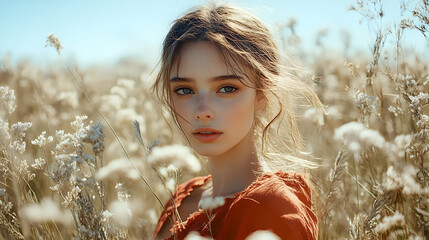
x: 259, y: 180
x: 204, y: 179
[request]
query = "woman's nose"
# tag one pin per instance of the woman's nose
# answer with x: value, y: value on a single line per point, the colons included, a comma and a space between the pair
x: 204, y: 115
x: 204, y: 111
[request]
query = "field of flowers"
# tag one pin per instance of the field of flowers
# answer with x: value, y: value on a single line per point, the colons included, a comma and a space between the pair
x: 86, y: 153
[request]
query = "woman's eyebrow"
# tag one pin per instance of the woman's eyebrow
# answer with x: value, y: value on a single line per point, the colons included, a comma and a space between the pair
x: 218, y: 78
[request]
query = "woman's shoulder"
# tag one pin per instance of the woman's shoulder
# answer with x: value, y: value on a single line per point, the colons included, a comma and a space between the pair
x: 280, y: 187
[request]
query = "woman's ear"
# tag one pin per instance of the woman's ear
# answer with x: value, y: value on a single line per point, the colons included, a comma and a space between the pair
x: 261, y: 100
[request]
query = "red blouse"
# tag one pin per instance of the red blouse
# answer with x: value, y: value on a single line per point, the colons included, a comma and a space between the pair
x: 279, y: 202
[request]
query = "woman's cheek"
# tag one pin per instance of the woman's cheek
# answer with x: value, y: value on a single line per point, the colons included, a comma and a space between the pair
x: 181, y: 109
x: 241, y: 111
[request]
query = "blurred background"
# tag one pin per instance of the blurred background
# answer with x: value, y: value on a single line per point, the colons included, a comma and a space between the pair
x: 104, y: 32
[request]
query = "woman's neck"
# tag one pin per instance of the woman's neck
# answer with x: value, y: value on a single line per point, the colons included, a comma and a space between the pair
x: 234, y: 171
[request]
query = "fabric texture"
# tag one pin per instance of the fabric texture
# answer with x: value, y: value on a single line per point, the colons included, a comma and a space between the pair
x: 279, y: 202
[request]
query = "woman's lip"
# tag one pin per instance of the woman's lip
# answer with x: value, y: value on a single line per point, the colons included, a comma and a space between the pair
x: 200, y: 130
x: 205, y: 138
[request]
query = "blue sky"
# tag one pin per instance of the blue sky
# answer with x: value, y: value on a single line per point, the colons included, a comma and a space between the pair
x: 98, y: 32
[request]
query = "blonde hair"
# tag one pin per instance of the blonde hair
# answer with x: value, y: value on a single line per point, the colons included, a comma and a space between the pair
x: 246, y: 40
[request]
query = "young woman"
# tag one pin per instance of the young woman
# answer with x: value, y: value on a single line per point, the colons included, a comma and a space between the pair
x: 222, y: 79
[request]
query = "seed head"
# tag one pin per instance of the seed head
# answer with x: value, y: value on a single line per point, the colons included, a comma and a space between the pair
x: 53, y: 41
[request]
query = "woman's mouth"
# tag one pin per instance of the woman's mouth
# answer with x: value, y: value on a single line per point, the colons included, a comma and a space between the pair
x: 206, y: 135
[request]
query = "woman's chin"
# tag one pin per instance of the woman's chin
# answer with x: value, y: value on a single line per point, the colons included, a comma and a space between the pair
x: 207, y: 151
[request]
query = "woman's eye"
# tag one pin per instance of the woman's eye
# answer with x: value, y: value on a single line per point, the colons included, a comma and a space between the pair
x: 228, y: 89
x: 184, y: 91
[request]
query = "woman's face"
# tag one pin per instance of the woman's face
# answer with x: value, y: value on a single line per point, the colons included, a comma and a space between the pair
x: 214, y: 109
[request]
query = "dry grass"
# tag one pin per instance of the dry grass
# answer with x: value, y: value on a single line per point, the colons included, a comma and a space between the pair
x: 373, y: 181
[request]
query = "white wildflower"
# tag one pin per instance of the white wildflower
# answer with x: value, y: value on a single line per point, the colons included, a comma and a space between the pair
x: 106, y: 215
x: 356, y: 134
x: 166, y: 171
x: 95, y: 135
x: 388, y: 222
x: 71, y: 197
x: 64, y: 140
x: 80, y: 181
x: 404, y: 180
x: 331, y: 81
x: 55, y: 188
x: 152, y: 216
x: 354, y: 147
x: 121, y: 167
x: 149, y: 106
x: 263, y: 235
x: 423, y: 125
x: 4, y: 130
x: 195, y: 236
x: 427, y: 81
x: 42, y: 140
x: 163, y: 171
x: 372, y: 137
x: 408, y: 81
x: 133, y: 103
x: 403, y: 140
x: 111, y: 103
x: 69, y: 98
x: 315, y: 115
x: 178, y: 155
x: 7, y: 99
x: 126, y: 83
x: 24, y: 172
x: 397, y: 149
x: 395, y: 110
x: 19, y: 146
x: 6, y: 206
x: 128, y: 116
x: 333, y: 112
x: 209, y: 203
x: 422, y: 98
x: 65, y: 167
x: 121, y: 212
x: 46, y: 211
x: 367, y: 104
x: 170, y: 184
x: 70, y: 151
x: 75, y: 140
x: 416, y: 237
x: 18, y: 132
x: 424, y: 120
x: 86, y: 232
x: 122, y: 194
x: 120, y: 91
x: 78, y: 124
